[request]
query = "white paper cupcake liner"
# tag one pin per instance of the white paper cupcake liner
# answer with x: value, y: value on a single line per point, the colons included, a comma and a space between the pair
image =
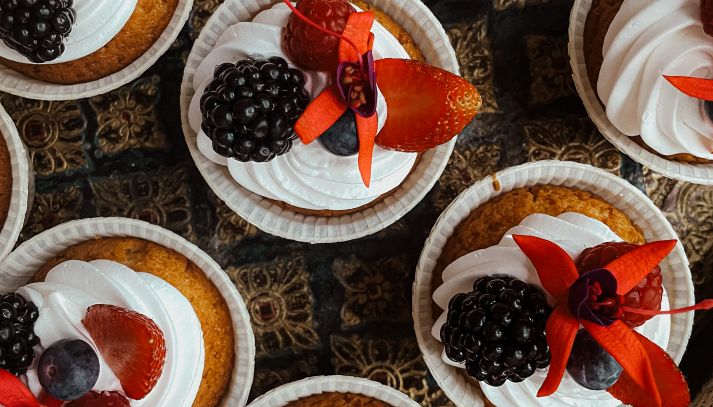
x: 20, y: 85
x: 696, y: 173
x: 22, y: 185
x: 428, y: 33
x: 616, y: 191
x: 287, y: 393
x: 19, y: 267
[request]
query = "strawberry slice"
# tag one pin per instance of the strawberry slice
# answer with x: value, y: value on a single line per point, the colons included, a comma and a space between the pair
x: 131, y: 343
x: 427, y: 106
x: 103, y: 399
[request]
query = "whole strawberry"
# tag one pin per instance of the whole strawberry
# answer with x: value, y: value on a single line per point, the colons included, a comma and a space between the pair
x: 309, y: 47
x: 646, y: 295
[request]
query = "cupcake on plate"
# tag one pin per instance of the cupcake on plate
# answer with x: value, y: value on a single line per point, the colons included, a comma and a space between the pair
x: 286, y: 120
x: 16, y: 179
x: 77, y: 48
x: 510, y: 303
x: 120, y: 310
x: 331, y: 391
x: 622, y: 52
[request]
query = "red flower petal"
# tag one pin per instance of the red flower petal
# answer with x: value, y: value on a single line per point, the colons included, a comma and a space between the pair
x: 671, y: 383
x: 358, y: 31
x: 561, y: 330
x: 320, y: 115
x: 555, y: 268
x: 625, y: 347
x: 47, y: 400
x: 633, y: 266
x: 366, y: 129
x: 694, y: 87
x: 14, y: 393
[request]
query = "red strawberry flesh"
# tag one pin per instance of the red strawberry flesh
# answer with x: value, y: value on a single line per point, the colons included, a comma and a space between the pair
x: 646, y: 295
x: 132, y: 345
x: 103, y: 399
x: 427, y: 106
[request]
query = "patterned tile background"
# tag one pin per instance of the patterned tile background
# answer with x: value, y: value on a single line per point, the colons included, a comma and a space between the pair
x: 344, y: 308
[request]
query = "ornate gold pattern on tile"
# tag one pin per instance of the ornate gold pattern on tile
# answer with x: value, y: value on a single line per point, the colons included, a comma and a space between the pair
x: 267, y: 379
x: 501, y: 5
x: 127, y: 118
x: 468, y: 165
x: 231, y: 228
x: 161, y: 198
x: 689, y: 208
x: 396, y: 363
x: 475, y: 58
x: 572, y: 140
x: 52, y: 131
x: 53, y: 208
x: 374, y: 291
x: 202, y: 10
x: 551, y: 75
x: 279, y: 300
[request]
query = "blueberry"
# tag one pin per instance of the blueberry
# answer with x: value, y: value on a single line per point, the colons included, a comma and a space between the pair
x: 493, y: 332
x: 68, y: 369
x: 278, y: 126
x: 454, y: 354
x: 475, y: 320
x: 513, y: 357
x: 495, y: 286
x: 7, y: 311
x: 260, y: 129
x: 280, y: 62
x: 341, y: 139
x: 493, y: 352
x: 220, y: 69
x: 62, y: 23
x: 474, y: 370
x: 590, y: 365
x: 457, y: 301
x: 269, y: 71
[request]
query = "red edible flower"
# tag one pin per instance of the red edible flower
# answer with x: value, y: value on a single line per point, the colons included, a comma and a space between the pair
x: 14, y: 393
x: 650, y: 377
x: 354, y: 88
x: 694, y: 87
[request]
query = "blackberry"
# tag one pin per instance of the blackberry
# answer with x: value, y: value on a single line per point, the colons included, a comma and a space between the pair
x: 250, y: 108
x: 498, y: 330
x: 37, y: 29
x: 17, y: 333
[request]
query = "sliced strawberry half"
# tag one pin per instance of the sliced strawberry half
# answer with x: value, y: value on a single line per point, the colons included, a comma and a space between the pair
x: 103, y: 399
x: 427, y: 106
x: 131, y: 343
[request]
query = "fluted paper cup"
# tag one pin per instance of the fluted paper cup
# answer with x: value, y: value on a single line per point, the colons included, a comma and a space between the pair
x: 265, y: 214
x: 614, y: 190
x: 22, y: 185
x: 696, y: 173
x: 17, y: 84
x: 312, y: 386
x: 22, y: 264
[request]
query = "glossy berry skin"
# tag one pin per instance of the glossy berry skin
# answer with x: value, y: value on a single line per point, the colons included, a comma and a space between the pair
x: 37, y: 29
x: 68, y: 369
x: 250, y: 108
x: 309, y: 47
x: 17, y: 335
x: 590, y: 365
x: 103, y: 399
x: 646, y: 295
x: 341, y: 139
x: 498, y: 330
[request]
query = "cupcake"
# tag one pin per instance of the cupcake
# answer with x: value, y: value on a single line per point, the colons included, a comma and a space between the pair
x: 16, y: 180
x: 514, y: 301
x: 65, y: 49
x: 312, y: 134
x: 622, y: 52
x: 332, y: 391
x: 119, y: 310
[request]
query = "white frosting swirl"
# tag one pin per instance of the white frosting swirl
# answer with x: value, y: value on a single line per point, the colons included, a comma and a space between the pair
x: 73, y: 286
x: 646, y: 40
x: 308, y: 176
x: 98, y: 21
x: 573, y: 232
